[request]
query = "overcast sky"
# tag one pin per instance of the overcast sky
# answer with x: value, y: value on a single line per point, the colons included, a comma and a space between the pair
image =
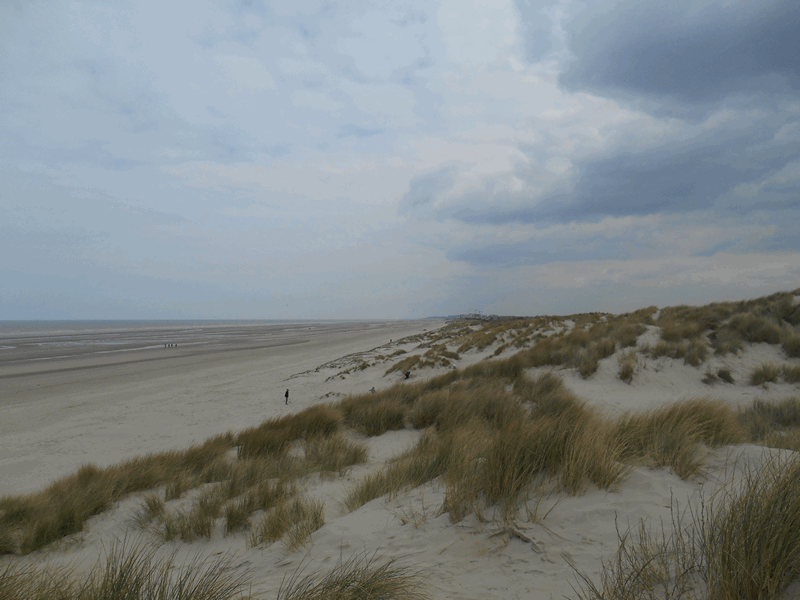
x: 395, y: 159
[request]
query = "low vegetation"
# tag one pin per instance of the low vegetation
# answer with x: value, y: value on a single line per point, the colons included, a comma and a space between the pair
x: 743, y: 545
x: 128, y: 572
x: 772, y: 373
x: 492, y: 437
x: 296, y: 519
x: 361, y: 577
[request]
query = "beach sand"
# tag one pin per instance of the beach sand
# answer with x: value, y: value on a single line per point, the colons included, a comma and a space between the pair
x: 59, y: 414
x: 57, y: 417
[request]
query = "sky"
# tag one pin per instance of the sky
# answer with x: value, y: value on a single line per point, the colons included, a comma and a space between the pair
x: 367, y: 160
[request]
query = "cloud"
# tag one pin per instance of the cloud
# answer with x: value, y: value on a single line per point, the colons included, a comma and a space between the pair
x: 687, y: 52
x: 244, y: 73
x: 350, y: 130
x: 423, y: 190
x: 679, y: 175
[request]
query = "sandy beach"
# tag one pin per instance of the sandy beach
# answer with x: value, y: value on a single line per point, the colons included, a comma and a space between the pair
x: 60, y: 414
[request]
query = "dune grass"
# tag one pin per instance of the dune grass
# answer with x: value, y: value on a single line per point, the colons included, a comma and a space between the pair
x: 296, y: 519
x: 362, y: 577
x: 627, y: 366
x: 771, y: 373
x: 743, y: 545
x: 773, y: 423
x: 128, y: 572
x: 249, y: 485
x: 274, y: 436
x: 30, y: 522
x: 490, y: 448
x: 486, y: 396
x: 670, y: 436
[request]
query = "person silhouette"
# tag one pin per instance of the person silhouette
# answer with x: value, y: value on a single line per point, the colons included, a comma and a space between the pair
x: 286, y: 395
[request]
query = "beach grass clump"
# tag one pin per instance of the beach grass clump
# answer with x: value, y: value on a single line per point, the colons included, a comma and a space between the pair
x: 791, y: 345
x: 127, y: 572
x: 419, y: 465
x: 757, y: 328
x: 751, y: 544
x: 262, y: 496
x: 333, y: 454
x: 766, y: 417
x: 790, y: 374
x: 648, y: 565
x: 362, y: 577
x: 296, y: 519
x: 693, y: 352
x: 669, y: 436
x: 30, y: 522
x: 415, y: 361
x: 627, y: 366
x: 765, y: 373
x: 744, y: 544
x: 196, y: 522
x: 374, y: 414
x: 273, y: 437
x: 490, y: 448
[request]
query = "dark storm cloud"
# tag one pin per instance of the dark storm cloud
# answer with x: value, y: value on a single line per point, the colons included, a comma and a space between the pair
x: 691, y: 52
x: 674, y: 178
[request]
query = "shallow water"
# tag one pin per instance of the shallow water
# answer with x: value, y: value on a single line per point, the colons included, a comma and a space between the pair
x: 22, y: 341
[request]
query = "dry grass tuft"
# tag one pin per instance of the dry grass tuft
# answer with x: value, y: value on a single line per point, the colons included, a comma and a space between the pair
x: 295, y: 519
x: 362, y: 577
x: 740, y: 546
x: 419, y: 465
x: 274, y: 436
x: 28, y: 523
x: 791, y: 345
x: 766, y: 373
x: 693, y: 352
x: 752, y: 542
x: 670, y: 436
x: 627, y: 366
x: 127, y: 573
x: 333, y: 454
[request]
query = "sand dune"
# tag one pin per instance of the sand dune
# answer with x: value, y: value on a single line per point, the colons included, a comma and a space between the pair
x: 59, y: 418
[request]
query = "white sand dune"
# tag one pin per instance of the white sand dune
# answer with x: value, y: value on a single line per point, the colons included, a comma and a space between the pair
x: 75, y: 417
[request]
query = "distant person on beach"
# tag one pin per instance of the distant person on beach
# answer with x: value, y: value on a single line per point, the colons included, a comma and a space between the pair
x: 408, y: 374
x: 286, y: 395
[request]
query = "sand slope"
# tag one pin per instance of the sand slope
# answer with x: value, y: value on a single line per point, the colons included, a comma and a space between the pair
x: 47, y: 433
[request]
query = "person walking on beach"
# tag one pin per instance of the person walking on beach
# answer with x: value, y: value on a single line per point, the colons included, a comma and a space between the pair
x: 286, y: 395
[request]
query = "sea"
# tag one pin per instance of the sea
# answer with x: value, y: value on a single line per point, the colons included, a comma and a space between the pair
x: 53, y: 340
